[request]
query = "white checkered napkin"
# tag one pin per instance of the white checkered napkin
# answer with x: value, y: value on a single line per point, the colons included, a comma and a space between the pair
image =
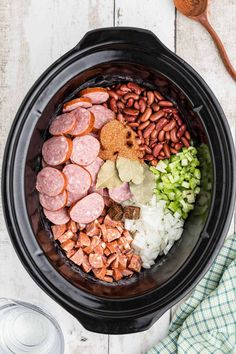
x: 206, y: 322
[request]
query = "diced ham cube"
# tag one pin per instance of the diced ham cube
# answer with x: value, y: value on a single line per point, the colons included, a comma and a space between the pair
x: 68, y: 245
x: 58, y: 230
x: 135, y: 263
x: 112, y: 234
x: 99, y: 249
x: 100, y: 273
x: 122, y: 260
x: 86, y: 265
x: 96, y: 260
x: 117, y: 275
x: 84, y: 240
x: 95, y: 241
x: 111, y: 259
x: 127, y: 273
x: 78, y: 257
x: 109, y: 272
x: 72, y: 226
x: 108, y: 279
x: 93, y: 229
x: 66, y: 236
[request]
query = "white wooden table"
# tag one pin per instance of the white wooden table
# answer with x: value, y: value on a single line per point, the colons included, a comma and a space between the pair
x: 32, y: 35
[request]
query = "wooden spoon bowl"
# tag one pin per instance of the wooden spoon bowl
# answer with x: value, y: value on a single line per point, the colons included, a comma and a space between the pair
x: 197, y: 10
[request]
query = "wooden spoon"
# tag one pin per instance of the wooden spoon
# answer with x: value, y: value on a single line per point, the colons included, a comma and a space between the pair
x: 197, y: 10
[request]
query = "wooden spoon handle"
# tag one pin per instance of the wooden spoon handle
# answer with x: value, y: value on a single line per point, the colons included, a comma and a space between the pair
x: 204, y: 21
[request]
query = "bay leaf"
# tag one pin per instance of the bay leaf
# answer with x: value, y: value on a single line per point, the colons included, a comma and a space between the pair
x: 143, y: 192
x: 130, y: 170
x: 108, y: 176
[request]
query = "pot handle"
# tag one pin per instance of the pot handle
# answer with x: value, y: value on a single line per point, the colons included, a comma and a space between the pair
x: 121, y: 35
x: 125, y: 325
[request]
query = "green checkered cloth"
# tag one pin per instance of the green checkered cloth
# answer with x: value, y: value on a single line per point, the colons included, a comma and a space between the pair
x: 206, y: 322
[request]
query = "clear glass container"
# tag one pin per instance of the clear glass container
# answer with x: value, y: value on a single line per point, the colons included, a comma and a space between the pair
x: 25, y: 328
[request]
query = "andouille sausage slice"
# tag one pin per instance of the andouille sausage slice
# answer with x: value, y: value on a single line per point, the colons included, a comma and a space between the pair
x: 85, y: 150
x: 102, y: 115
x: 58, y: 217
x: 121, y: 193
x: 84, y: 122
x: 78, y: 179
x: 57, y: 150
x: 96, y: 94
x: 87, y: 209
x: 72, y: 198
x: 62, y: 124
x: 50, y: 181
x: 94, y: 168
x: 53, y: 203
x: 84, y: 102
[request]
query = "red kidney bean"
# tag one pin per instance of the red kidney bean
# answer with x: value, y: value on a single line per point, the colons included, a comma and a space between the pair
x: 161, y: 157
x: 113, y: 105
x: 156, y: 150
x: 185, y: 142
x: 146, y: 115
x: 136, y: 104
x: 139, y: 141
x: 187, y: 135
x: 165, y: 104
x: 130, y: 102
x: 155, y: 107
x: 173, y: 151
x: 130, y: 119
x: 134, y: 87
x: 170, y: 126
x: 120, y: 92
x: 148, y: 130
x: 178, y: 146
x: 170, y: 110
x: 147, y: 149
x: 167, y: 135
x: 142, y: 148
x: 166, y: 150
x: 178, y: 119
x: 162, y: 154
x: 129, y: 95
x: 124, y: 88
x: 161, y: 136
x: 120, y: 117
x: 131, y: 111
x: 113, y: 94
x: 134, y: 125
x: 181, y: 131
x: 158, y: 96
x: 152, y: 143
x: 173, y: 135
x: 147, y: 141
x: 142, y: 105
x: 150, y: 98
x: 155, y: 116
x: 144, y: 125
x: 154, y: 134
x: 161, y: 123
x: 120, y: 105
x: 140, y: 134
x: 148, y: 157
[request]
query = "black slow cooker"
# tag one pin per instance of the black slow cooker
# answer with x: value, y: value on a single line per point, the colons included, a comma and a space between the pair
x: 104, y: 57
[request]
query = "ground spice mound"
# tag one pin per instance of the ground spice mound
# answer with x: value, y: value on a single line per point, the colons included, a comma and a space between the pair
x: 117, y: 139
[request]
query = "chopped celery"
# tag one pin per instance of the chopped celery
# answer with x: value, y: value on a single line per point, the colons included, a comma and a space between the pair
x: 178, y: 180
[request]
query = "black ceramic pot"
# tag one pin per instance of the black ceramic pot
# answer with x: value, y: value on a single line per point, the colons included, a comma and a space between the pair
x: 103, y: 57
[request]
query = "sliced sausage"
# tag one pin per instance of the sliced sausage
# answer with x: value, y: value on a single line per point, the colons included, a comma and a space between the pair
x: 84, y: 122
x: 102, y: 115
x: 96, y: 260
x: 57, y: 150
x: 96, y: 94
x: 72, y: 198
x: 62, y: 124
x: 50, y: 181
x: 87, y: 209
x: 94, y: 168
x: 85, y: 150
x: 78, y: 257
x: 121, y: 193
x: 53, y: 203
x: 58, y: 217
x: 78, y: 179
x: 84, y: 102
x: 58, y: 230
